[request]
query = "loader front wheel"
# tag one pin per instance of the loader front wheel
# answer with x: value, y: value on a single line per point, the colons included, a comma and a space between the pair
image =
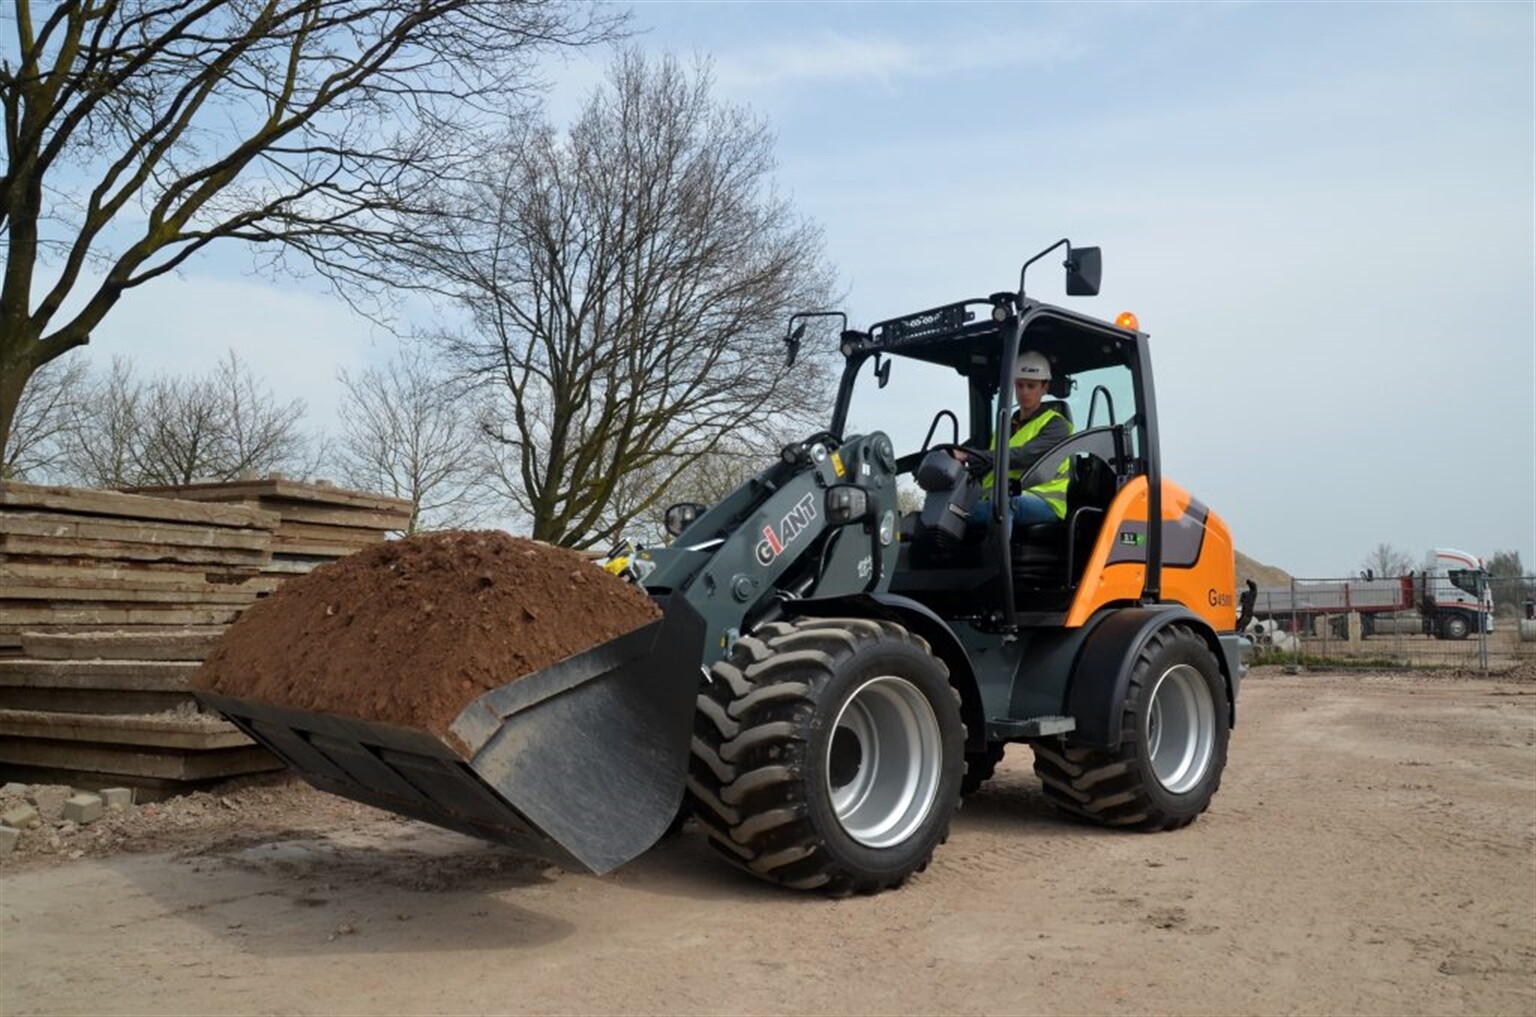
x: 1173, y: 743
x: 827, y: 754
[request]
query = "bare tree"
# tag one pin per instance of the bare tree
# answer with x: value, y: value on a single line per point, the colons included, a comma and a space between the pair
x: 260, y: 433
x: 1386, y: 562
x: 37, y: 446
x: 408, y: 431
x: 138, y: 132
x: 103, y: 435
x: 182, y: 432
x: 175, y: 429
x: 213, y: 428
x: 628, y: 282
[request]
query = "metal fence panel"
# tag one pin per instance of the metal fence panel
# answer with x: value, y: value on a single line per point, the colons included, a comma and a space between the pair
x: 1410, y: 621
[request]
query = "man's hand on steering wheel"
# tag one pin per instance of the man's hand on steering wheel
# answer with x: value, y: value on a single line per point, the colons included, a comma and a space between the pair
x: 977, y: 461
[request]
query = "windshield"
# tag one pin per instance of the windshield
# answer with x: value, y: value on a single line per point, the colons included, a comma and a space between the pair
x: 906, y: 408
x: 918, y: 394
x: 1467, y: 579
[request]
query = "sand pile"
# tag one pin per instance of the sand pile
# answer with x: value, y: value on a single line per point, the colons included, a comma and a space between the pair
x: 410, y: 631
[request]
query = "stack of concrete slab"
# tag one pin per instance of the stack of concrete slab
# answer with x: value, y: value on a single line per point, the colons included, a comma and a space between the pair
x: 108, y: 601
x: 317, y: 522
x: 83, y: 562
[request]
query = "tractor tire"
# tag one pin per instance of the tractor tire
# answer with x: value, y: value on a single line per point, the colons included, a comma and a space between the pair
x: 1455, y: 626
x: 1173, y: 743
x: 827, y: 755
x: 979, y: 768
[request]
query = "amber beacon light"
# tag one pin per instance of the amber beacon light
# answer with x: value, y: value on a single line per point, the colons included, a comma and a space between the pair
x: 1127, y: 320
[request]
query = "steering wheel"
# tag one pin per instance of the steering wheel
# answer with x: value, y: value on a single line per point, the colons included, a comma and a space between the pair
x: 977, y: 461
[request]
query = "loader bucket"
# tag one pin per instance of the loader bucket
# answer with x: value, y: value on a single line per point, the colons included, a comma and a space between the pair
x: 582, y: 762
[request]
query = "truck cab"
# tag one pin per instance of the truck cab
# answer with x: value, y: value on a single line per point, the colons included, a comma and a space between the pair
x: 1453, y: 594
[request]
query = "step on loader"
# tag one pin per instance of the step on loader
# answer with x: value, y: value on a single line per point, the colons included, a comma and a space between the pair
x: 830, y: 673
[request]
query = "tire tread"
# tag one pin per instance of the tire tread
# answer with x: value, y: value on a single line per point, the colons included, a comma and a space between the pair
x: 748, y: 762
x: 1108, y: 787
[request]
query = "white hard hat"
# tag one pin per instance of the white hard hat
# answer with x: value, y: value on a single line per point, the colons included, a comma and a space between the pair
x: 1032, y: 365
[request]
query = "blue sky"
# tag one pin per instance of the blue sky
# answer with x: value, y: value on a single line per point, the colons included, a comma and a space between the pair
x: 1322, y: 213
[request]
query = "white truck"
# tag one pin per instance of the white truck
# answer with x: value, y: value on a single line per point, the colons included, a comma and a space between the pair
x: 1452, y: 594
x: 1449, y: 595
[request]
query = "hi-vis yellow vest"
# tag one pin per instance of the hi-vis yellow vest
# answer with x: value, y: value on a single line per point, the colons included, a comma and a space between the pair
x: 1053, y: 491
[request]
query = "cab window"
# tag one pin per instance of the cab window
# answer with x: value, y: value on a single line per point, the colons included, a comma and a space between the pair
x: 1102, y: 397
x: 1466, y: 579
x: 916, y: 394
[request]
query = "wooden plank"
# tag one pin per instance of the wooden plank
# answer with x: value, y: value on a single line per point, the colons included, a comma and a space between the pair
x: 26, y: 544
x: 59, y: 525
x: 197, y: 732
x: 313, y: 548
x: 130, y: 761
x: 316, y: 514
x: 78, y: 596
x: 285, y: 565
x: 65, y: 643
x: 288, y: 490
x: 76, y: 615
x: 87, y: 501
x: 92, y: 701
x: 116, y: 675
x: 332, y: 515
x: 355, y: 535
x: 66, y: 573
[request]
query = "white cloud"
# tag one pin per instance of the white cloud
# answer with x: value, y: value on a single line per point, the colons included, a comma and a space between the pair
x: 829, y: 57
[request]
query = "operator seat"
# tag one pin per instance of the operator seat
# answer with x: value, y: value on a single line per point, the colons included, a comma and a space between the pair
x: 1060, y: 406
x: 1051, y: 555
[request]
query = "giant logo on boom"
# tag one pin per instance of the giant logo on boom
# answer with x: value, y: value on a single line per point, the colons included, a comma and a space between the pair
x: 777, y: 538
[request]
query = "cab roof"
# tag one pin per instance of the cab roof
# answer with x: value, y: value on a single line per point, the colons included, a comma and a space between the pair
x: 965, y: 336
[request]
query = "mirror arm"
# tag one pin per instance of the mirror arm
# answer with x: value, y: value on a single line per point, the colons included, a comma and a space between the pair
x: 1063, y: 242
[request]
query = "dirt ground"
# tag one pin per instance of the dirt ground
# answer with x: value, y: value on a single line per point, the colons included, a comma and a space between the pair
x: 1372, y: 850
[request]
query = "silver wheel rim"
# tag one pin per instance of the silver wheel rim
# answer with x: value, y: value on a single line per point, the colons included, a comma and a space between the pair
x: 1181, y: 728
x: 883, y: 762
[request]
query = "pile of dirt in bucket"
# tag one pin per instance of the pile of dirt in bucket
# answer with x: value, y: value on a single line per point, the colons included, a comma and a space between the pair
x: 409, y: 632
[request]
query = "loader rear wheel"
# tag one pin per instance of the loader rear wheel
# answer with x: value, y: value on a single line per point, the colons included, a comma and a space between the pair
x: 827, y: 754
x: 1173, y: 743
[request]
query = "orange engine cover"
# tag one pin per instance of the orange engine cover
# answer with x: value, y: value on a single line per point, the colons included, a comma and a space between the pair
x: 1198, y: 569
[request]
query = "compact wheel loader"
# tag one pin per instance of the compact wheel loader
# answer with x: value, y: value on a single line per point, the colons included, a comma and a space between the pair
x: 830, y: 674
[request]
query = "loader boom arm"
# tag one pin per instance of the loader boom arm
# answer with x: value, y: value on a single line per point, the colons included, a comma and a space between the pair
x: 819, y: 523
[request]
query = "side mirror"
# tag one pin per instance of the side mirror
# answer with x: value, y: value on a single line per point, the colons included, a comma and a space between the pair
x: 882, y: 371
x: 1084, y: 269
x: 682, y: 515
x: 793, y: 342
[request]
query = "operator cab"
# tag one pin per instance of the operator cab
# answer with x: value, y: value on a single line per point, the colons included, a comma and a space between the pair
x: 941, y: 380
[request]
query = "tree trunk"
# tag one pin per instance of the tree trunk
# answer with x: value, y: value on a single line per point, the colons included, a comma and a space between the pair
x: 16, y: 367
